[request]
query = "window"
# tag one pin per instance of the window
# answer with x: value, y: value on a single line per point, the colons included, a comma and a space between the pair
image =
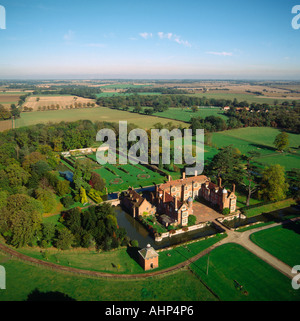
x: 184, y: 214
x: 173, y: 189
x: 184, y: 221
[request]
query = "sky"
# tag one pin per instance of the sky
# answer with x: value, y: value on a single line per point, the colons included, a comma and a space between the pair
x: 190, y: 39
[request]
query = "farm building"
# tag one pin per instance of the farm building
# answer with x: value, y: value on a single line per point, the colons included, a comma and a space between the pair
x: 148, y: 258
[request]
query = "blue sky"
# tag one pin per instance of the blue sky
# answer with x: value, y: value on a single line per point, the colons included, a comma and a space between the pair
x: 149, y: 39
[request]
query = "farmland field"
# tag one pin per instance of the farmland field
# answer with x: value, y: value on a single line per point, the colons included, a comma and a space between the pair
x: 186, y: 114
x: 8, y: 98
x: 93, y: 114
x: 35, y: 102
x: 250, y: 98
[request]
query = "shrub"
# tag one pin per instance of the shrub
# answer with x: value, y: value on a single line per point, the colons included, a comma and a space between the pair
x: 67, y: 201
x: 226, y: 211
x: 95, y: 196
x: 192, y: 220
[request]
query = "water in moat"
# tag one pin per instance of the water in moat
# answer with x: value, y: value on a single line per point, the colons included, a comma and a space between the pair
x: 137, y: 231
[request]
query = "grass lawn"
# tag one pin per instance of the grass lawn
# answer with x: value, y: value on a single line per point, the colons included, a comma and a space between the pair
x: 260, y: 139
x: 281, y: 241
x: 231, y: 262
x: 269, y: 207
x: 261, y: 135
x: 122, y: 260
x: 93, y: 114
x: 23, y: 279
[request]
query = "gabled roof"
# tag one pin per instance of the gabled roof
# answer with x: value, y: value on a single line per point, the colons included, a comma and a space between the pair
x: 148, y: 252
x: 196, y: 179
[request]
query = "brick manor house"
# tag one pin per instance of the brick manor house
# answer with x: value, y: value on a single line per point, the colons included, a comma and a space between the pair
x: 173, y: 200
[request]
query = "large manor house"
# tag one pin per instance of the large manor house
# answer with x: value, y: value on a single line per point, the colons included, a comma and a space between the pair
x: 173, y: 200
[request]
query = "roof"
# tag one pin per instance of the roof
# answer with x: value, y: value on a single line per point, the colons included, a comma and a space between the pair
x: 135, y: 198
x: 148, y: 252
x: 196, y: 179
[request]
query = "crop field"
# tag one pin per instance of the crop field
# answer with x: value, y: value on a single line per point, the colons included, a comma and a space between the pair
x: 5, y: 125
x: 64, y: 101
x: 93, y: 114
x: 8, y: 98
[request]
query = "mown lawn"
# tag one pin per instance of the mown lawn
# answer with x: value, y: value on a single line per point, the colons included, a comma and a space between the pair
x: 282, y: 241
x: 22, y: 279
x: 231, y: 265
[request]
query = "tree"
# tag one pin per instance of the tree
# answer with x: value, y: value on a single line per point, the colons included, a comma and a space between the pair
x: 16, y: 175
x: 47, y: 198
x: 273, y: 185
x: 20, y: 219
x: 48, y: 232
x: 97, y: 182
x: 65, y: 239
x: 228, y: 165
x: 252, y: 184
x: 194, y: 109
x: 63, y: 187
x: 67, y: 201
x: 281, y: 141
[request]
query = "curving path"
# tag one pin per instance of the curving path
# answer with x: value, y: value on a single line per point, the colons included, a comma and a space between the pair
x: 241, y: 238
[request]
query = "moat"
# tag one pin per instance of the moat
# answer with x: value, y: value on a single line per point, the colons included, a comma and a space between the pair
x: 136, y: 231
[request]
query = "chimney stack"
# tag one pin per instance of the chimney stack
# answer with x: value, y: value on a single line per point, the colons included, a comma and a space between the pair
x: 176, y: 206
x: 169, y: 178
x: 183, y: 175
x: 233, y: 188
x: 164, y: 195
x: 219, y: 181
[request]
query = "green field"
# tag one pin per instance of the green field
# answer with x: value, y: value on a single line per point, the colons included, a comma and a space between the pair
x: 186, y: 114
x: 250, y: 98
x: 282, y: 241
x: 93, y: 114
x: 230, y: 263
x: 260, y: 139
x: 24, y: 279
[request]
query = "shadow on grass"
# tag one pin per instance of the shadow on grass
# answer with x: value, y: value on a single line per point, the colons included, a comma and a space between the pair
x: 133, y: 253
x: 37, y: 295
